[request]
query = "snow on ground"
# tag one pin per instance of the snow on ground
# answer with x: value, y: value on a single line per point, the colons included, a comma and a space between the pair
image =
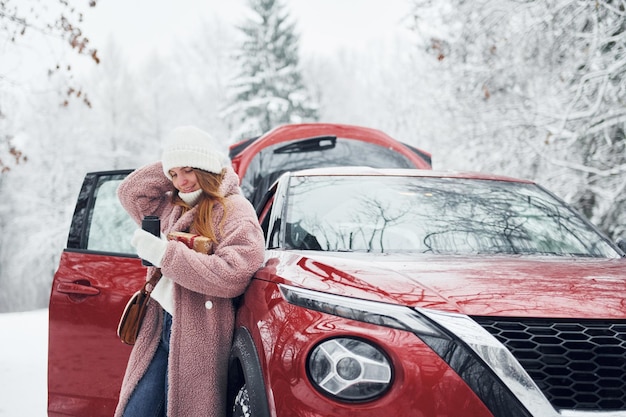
x: 23, y: 364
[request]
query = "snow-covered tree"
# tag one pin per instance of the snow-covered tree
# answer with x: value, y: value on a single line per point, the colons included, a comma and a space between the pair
x: 268, y: 89
x: 390, y: 88
x: 202, y: 78
x: 24, y: 24
x: 39, y: 197
x: 544, y: 81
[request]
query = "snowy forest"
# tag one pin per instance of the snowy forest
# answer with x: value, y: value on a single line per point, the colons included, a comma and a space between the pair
x: 524, y: 88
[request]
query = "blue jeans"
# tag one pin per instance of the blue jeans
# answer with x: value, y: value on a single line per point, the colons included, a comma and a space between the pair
x: 149, y: 399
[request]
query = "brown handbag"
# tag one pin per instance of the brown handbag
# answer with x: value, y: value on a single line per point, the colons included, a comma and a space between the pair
x: 135, y: 310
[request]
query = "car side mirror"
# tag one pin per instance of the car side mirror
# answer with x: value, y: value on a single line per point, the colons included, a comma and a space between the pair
x: 621, y: 243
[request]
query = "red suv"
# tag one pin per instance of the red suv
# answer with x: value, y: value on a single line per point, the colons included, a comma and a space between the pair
x: 424, y: 293
x: 99, y: 270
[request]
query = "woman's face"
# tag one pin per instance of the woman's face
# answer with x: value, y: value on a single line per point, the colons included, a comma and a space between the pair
x: 184, y: 179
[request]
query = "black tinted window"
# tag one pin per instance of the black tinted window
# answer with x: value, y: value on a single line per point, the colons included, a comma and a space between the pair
x: 272, y: 161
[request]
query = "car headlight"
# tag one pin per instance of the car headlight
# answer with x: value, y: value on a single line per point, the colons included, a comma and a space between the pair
x: 380, y: 314
x: 349, y: 369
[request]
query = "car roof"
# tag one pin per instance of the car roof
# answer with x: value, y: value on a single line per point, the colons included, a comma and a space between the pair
x: 397, y: 172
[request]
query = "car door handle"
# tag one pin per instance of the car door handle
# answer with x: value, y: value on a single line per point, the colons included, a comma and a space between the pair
x: 77, y: 288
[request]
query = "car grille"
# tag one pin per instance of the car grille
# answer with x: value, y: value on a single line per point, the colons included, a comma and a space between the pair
x: 578, y: 364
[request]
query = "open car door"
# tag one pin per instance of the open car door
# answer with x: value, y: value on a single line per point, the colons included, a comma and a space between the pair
x: 97, y: 273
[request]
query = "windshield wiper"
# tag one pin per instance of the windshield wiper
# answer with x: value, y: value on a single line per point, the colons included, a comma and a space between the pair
x: 320, y: 143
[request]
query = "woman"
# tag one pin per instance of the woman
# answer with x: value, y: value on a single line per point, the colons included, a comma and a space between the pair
x: 178, y: 365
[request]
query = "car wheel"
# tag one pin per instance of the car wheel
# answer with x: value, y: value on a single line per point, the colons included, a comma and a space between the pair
x: 241, y: 407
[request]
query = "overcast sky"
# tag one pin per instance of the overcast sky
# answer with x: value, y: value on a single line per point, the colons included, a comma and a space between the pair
x: 324, y: 25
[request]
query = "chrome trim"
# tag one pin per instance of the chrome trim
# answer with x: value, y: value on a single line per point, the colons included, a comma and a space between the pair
x: 505, y: 366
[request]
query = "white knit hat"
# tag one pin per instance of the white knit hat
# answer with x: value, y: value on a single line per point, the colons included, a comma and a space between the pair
x: 188, y: 146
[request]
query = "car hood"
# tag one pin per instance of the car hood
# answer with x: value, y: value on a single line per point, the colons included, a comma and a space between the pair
x: 515, y: 286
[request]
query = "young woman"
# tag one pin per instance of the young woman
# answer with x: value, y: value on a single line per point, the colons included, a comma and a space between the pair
x: 178, y: 366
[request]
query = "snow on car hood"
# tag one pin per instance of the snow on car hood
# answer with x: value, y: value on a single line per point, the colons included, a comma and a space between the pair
x: 516, y: 286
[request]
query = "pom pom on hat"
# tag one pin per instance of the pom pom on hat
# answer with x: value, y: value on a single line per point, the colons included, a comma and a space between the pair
x: 188, y: 146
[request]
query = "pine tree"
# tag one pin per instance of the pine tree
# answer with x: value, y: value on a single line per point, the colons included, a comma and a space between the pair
x: 269, y: 89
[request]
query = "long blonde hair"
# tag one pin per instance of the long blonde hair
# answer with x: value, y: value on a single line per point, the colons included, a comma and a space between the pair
x: 210, y: 184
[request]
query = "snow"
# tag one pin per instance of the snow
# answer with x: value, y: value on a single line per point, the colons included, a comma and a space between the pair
x: 23, y: 364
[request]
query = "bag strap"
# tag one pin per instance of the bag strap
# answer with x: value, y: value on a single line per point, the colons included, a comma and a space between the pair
x: 154, y: 279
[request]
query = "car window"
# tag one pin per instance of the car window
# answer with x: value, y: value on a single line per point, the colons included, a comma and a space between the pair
x: 320, y: 152
x: 110, y: 227
x: 434, y: 215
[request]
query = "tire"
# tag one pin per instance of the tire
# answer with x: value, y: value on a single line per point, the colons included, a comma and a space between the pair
x: 241, y: 407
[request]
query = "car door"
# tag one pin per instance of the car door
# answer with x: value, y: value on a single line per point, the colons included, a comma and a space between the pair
x: 97, y: 273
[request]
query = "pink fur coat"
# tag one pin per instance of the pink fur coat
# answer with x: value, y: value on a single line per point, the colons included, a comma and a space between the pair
x: 204, y: 286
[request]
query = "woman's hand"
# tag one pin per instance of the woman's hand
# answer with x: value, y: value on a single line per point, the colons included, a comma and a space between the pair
x: 149, y: 247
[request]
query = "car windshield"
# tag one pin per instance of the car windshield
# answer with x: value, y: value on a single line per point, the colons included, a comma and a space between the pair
x: 434, y: 215
x: 319, y: 152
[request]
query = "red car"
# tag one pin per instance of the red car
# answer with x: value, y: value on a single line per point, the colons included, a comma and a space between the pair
x: 99, y: 270
x: 422, y: 293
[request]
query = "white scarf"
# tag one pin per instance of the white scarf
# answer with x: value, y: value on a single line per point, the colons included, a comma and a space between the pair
x: 191, y: 198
